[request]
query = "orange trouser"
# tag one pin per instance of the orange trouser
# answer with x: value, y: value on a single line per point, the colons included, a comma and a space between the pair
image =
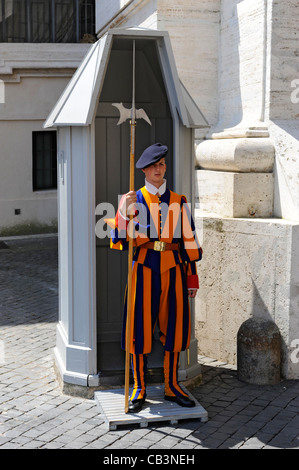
x: 139, y: 369
x: 158, y: 298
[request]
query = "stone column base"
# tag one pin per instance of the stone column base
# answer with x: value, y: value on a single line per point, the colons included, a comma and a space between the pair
x: 235, y: 177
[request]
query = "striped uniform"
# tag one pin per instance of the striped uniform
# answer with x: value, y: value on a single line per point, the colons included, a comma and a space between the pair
x: 160, y: 279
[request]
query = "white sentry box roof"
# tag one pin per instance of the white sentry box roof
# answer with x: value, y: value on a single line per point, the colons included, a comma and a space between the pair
x: 78, y: 103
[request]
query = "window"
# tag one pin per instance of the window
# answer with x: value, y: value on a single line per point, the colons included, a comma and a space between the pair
x: 44, y: 160
x: 46, y: 20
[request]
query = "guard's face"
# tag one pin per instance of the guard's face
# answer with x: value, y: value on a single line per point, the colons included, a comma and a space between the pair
x: 155, y: 172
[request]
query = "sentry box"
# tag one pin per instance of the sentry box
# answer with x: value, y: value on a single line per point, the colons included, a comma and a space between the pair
x: 93, y: 170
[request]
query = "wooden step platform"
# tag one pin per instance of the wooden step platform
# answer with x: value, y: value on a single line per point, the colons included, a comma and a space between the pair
x: 154, y: 410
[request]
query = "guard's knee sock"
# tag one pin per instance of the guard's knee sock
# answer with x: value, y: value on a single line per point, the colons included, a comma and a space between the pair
x: 139, y: 369
x: 171, y: 362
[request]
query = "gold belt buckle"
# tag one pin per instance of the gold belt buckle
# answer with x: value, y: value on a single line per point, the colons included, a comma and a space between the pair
x: 159, y: 246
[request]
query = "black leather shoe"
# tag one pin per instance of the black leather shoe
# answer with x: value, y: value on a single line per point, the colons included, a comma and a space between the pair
x: 182, y: 401
x: 136, y: 405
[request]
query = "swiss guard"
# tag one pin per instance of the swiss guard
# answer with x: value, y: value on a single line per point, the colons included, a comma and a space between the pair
x: 164, y: 274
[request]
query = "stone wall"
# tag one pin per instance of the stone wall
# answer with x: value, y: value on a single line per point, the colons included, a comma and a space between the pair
x: 241, y: 59
x: 249, y: 268
x: 193, y: 27
x: 283, y: 106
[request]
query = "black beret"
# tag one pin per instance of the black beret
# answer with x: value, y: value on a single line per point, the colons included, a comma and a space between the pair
x: 152, y: 155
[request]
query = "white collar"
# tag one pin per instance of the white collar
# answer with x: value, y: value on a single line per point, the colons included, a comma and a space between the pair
x: 153, y: 190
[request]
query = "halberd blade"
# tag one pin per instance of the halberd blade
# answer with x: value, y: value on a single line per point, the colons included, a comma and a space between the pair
x: 126, y: 113
x: 141, y: 114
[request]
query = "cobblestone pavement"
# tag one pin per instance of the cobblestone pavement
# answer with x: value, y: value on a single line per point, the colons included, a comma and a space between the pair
x: 35, y: 414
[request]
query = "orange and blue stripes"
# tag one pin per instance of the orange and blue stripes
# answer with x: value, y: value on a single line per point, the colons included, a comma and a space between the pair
x: 167, y: 218
x: 171, y: 362
x: 139, y: 369
x: 158, y: 299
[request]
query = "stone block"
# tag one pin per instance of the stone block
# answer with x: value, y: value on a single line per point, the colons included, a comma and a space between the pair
x: 259, y: 352
x: 230, y: 194
x: 249, y: 268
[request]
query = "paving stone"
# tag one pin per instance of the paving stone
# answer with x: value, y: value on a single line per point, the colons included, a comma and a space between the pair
x: 35, y: 414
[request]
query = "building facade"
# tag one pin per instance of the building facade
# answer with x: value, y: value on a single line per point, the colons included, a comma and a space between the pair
x: 41, y: 45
